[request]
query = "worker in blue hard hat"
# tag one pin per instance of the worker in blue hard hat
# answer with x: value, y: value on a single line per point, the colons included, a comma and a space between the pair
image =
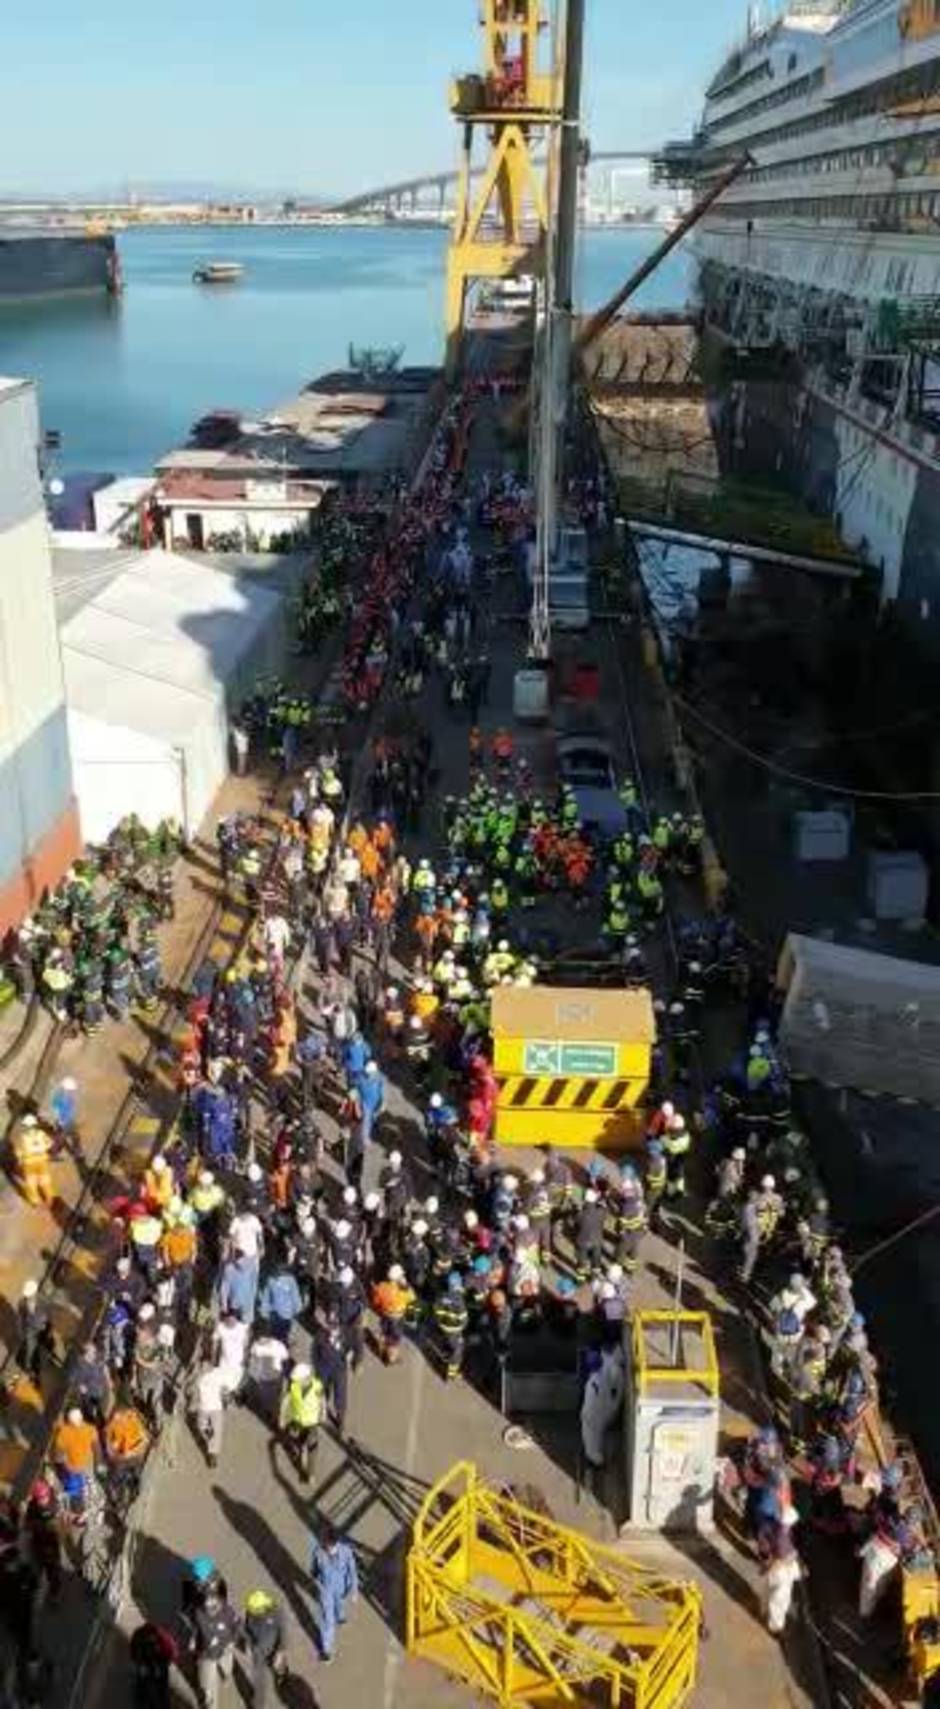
x: 203, y: 1575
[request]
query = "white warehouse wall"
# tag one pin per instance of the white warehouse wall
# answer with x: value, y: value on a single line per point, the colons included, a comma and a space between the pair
x: 35, y: 772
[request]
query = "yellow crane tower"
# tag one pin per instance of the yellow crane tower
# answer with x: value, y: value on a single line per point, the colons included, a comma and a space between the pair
x: 500, y: 227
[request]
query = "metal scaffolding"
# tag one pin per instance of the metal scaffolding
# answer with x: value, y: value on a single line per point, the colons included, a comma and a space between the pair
x: 527, y: 1611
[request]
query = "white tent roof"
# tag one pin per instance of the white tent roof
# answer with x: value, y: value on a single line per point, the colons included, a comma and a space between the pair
x: 858, y: 1019
x: 101, y: 690
x: 159, y: 636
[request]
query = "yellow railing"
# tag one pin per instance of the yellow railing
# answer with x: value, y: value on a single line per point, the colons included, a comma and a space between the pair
x: 528, y: 1611
x: 704, y: 1374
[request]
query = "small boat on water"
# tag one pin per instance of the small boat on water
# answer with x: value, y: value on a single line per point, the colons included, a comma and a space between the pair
x: 218, y: 273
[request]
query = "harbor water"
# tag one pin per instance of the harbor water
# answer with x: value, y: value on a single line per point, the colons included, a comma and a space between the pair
x: 121, y: 381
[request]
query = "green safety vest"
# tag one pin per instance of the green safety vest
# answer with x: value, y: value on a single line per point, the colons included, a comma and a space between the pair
x: 767, y: 1219
x: 206, y: 1199
x: 632, y: 1220
x: 145, y: 1230
x: 676, y: 1144
x: 305, y: 1403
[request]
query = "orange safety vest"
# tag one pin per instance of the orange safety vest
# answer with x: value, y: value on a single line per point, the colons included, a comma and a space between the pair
x: 391, y: 1300
x: 125, y: 1436
x: 285, y: 1032
x: 383, y: 904
x: 280, y: 1180
x: 159, y: 1187
x: 75, y: 1446
x: 370, y: 861
x: 427, y: 928
x: 178, y: 1246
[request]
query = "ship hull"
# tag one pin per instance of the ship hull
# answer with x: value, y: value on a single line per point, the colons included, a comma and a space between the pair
x: 56, y: 265
x: 882, y: 495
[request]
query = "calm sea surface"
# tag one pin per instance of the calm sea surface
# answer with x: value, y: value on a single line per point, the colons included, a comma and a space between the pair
x: 123, y: 381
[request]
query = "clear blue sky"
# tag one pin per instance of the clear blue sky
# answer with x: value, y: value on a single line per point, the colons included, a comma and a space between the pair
x: 325, y: 97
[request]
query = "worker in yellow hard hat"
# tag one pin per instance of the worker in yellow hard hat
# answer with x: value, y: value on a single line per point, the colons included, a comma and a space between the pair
x: 264, y: 1636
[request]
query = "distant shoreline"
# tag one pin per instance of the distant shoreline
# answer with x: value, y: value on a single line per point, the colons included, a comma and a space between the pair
x: 352, y: 224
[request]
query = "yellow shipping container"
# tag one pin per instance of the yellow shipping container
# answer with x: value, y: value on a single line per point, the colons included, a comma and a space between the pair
x: 572, y: 1064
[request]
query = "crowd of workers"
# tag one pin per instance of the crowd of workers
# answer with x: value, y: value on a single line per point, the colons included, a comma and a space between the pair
x: 343, y: 536
x: 90, y: 947
x: 284, y: 1230
x: 217, y: 1253
x: 816, y: 1467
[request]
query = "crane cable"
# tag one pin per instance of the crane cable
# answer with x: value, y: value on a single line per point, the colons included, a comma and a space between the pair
x: 770, y: 765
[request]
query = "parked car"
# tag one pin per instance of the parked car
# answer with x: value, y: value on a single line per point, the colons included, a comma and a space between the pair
x: 586, y: 764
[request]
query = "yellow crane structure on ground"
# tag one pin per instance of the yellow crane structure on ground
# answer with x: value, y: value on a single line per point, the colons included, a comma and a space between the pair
x: 527, y: 1611
x: 500, y: 227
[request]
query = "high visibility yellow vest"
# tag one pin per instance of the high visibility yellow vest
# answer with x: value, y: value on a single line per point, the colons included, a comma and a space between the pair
x: 676, y: 1142
x: 305, y: 1403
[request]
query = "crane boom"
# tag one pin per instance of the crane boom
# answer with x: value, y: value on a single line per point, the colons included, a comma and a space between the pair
x: 603, y: 317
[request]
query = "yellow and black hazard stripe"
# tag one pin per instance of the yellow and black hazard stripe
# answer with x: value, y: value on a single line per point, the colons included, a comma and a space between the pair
x: 554, y: 1092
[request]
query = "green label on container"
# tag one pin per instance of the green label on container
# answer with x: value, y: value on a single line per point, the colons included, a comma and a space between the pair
x: 541, y: 1056
x: 589, y: 1061
x: 579, y: 1061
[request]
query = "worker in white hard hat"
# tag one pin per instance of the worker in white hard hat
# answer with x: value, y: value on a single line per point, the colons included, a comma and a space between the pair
x: 36, y: 1340
x: 589, y: 1235
x: 159, y: 1185
x: 301, y: 1414
x: 723, y: 1212
x: 392, y: 1299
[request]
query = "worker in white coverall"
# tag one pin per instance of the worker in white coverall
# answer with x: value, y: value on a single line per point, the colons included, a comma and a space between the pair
x: 782, y: 1574
x: 603, y: 1398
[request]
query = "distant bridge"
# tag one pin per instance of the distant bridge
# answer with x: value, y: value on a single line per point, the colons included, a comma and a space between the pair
x: 408, y: 190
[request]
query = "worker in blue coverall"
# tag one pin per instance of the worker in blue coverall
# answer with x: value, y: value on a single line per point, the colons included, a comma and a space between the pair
x: 336, y: 1584
x: 215, y: 1123
x: 370, y: 1086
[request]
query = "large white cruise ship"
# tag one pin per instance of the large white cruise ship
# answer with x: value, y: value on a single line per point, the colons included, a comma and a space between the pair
x: 820, y: 271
